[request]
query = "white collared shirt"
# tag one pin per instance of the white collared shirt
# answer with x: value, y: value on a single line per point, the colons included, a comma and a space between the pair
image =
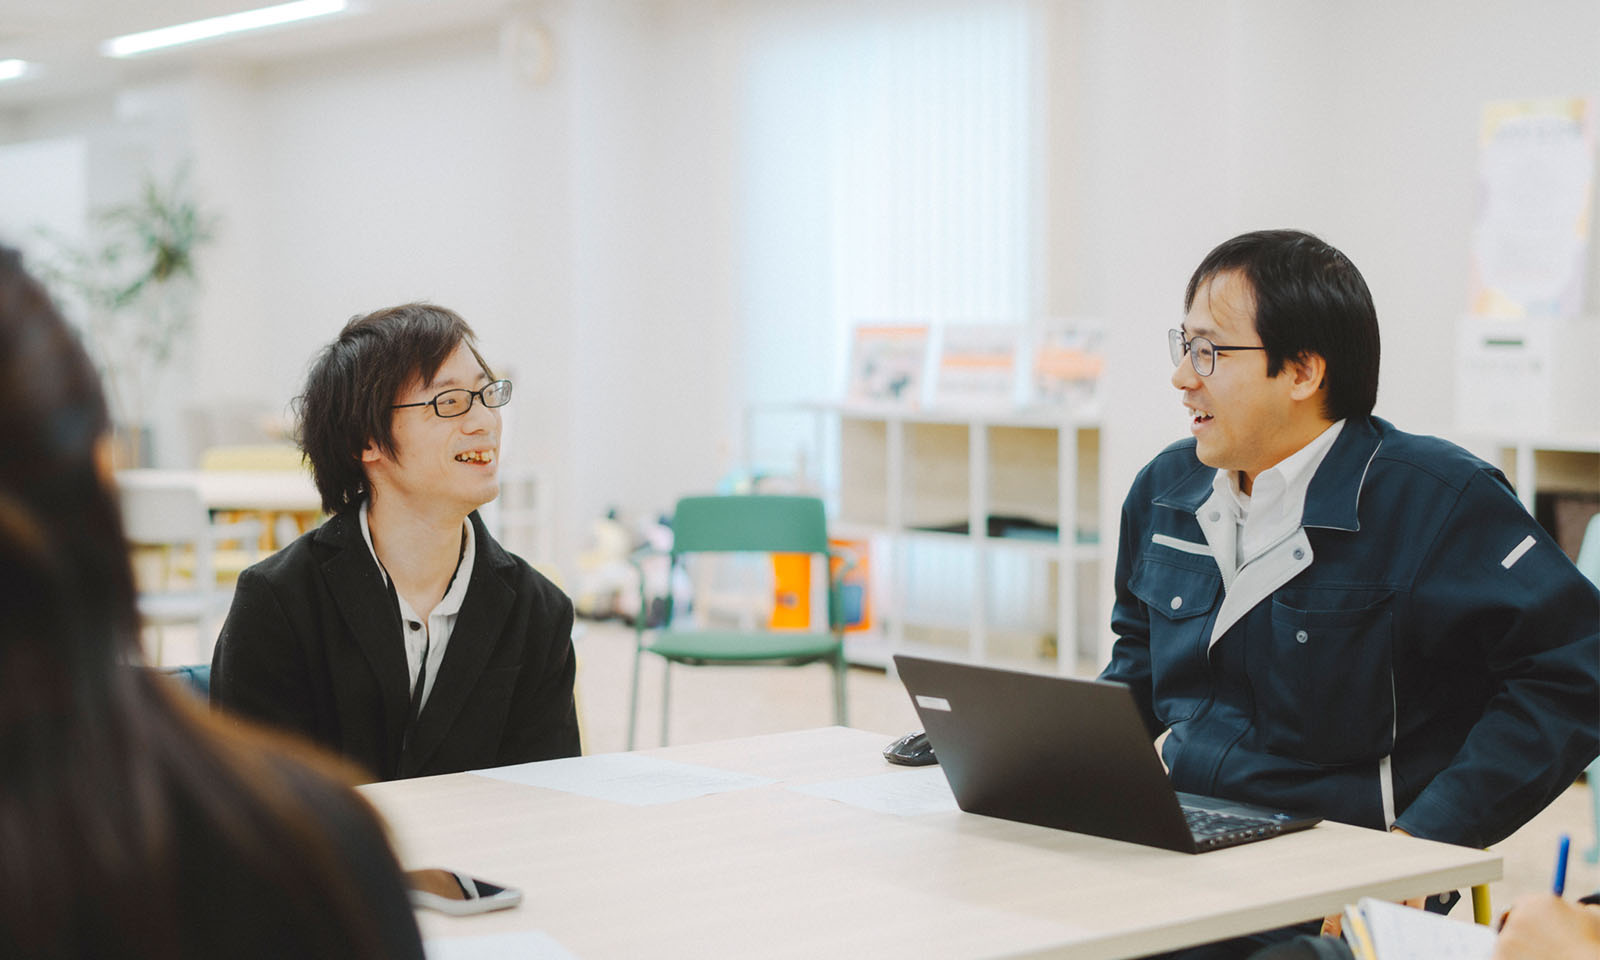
x: 1273, y: 509
x: 434, y: 635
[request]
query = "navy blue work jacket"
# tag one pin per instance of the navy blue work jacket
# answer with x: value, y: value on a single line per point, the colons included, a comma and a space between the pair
x: 1432, y: 665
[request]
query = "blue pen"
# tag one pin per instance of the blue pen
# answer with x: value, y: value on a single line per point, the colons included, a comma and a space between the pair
x: 1561, y: 865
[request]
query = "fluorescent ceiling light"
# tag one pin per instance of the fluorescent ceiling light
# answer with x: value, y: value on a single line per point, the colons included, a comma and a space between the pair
x: 12, y: 69
x: 137, y: 43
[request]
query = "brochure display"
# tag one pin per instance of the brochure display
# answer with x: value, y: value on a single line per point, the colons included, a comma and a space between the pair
x: 887, y: 363
x: 977, y: 366
x: 1067, y: 363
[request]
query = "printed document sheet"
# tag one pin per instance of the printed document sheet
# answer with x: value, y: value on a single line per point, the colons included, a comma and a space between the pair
x: 625, y: 778
x: 906, y: 793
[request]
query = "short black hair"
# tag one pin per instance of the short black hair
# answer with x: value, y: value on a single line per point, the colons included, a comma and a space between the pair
x: 1309, y: 299
x: 353, y: 383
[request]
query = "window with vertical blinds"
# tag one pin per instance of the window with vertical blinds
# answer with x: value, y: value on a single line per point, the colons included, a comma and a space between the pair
x: 890, y: 173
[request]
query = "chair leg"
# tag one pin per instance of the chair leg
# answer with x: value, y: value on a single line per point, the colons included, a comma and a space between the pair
x: 841, y: 713
x: 633, y: 700
x: 666, y: 696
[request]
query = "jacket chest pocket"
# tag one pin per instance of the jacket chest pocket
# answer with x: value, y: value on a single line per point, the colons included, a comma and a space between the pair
x: 1180, y: 602
x: 1329, y: 691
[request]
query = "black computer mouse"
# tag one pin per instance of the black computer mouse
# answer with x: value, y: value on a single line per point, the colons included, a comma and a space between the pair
x: 911, y: 750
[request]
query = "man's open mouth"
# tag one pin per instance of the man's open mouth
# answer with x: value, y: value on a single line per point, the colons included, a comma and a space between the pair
x: 475, y: 456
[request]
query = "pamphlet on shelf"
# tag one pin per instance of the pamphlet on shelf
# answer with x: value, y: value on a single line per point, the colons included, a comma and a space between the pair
x: 887, y: 363
x: 1068, y: 358
x: 977, y: 366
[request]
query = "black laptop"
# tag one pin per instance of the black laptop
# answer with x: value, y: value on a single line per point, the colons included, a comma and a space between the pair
x: 1069, y: 754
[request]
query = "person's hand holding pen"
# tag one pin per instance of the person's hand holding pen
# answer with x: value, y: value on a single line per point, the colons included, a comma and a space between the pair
x: 1542, y: 926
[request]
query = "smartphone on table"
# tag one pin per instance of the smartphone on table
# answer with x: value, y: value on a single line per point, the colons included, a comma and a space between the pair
x: 458, y: 894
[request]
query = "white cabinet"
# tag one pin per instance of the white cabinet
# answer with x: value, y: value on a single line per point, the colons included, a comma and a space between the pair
x: 983, y: 528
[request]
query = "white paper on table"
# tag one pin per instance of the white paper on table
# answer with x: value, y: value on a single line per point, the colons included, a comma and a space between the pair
x: 626, y: 778
x: 522, y: 945
x: 906, y: 793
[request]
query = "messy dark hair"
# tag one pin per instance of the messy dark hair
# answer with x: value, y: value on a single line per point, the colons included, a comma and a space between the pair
x: 353, y: 383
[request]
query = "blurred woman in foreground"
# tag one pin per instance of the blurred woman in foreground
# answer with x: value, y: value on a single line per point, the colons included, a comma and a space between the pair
x: 131, y: 823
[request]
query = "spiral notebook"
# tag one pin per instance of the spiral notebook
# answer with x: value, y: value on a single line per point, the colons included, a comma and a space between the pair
x: 1380, y: 930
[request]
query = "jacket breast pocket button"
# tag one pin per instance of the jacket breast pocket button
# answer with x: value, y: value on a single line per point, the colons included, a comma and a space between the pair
x: 1299, y: 554
x: 1177, y: 602
x: 1300, y: 636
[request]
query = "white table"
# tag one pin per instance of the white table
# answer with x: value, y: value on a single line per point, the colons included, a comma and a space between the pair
x: 770, y: 872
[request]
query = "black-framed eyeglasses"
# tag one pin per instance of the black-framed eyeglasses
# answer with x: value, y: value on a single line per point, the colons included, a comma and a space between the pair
x: 1202, y: 352
x: 454, y: 403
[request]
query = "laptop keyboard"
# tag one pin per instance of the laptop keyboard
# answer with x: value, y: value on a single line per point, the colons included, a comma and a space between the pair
x: 1212, y: 829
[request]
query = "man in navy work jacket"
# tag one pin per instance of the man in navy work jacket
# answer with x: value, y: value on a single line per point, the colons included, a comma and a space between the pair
x: 1325, y: 613
x: 399, y: 633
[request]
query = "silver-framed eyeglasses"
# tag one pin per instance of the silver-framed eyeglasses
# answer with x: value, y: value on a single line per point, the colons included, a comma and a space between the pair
x: 454, y: 403
x: 1202, y: 352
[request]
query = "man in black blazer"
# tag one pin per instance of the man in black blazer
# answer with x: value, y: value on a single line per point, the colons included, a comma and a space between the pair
x: 399, y: 633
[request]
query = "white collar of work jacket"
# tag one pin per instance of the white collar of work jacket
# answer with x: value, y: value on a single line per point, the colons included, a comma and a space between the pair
x: 1277, y: 522
x: 1276, y: 502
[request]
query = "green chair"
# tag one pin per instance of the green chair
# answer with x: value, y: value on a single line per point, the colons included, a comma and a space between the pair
x: 740, y: 524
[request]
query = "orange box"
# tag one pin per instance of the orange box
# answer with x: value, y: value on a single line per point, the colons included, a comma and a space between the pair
x: 791, y: 592
x: 791, y: 600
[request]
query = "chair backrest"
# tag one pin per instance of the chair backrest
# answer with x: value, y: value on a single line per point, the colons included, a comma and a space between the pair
x: 749, y: 523
x: 167, y: 512
x: 161, y: 512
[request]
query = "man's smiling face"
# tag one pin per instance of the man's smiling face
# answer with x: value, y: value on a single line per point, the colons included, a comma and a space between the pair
x: 1241, y: 418
x: 441, y: 462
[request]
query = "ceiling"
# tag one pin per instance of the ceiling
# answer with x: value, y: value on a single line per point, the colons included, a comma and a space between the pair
x: 61, y: 38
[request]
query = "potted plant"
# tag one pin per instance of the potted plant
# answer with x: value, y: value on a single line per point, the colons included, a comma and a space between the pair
x: 133, y: 284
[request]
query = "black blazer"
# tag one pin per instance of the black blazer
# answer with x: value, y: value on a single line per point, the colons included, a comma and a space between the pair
x: 313, y: 644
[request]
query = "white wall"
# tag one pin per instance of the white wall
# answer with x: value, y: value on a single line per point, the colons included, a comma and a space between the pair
x: 593, y: 228
x: 653, y: 256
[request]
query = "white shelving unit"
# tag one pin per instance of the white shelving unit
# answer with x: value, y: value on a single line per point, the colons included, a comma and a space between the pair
x: 1568, y: 463
x: 889, y: 475
x: 1561, y: 463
